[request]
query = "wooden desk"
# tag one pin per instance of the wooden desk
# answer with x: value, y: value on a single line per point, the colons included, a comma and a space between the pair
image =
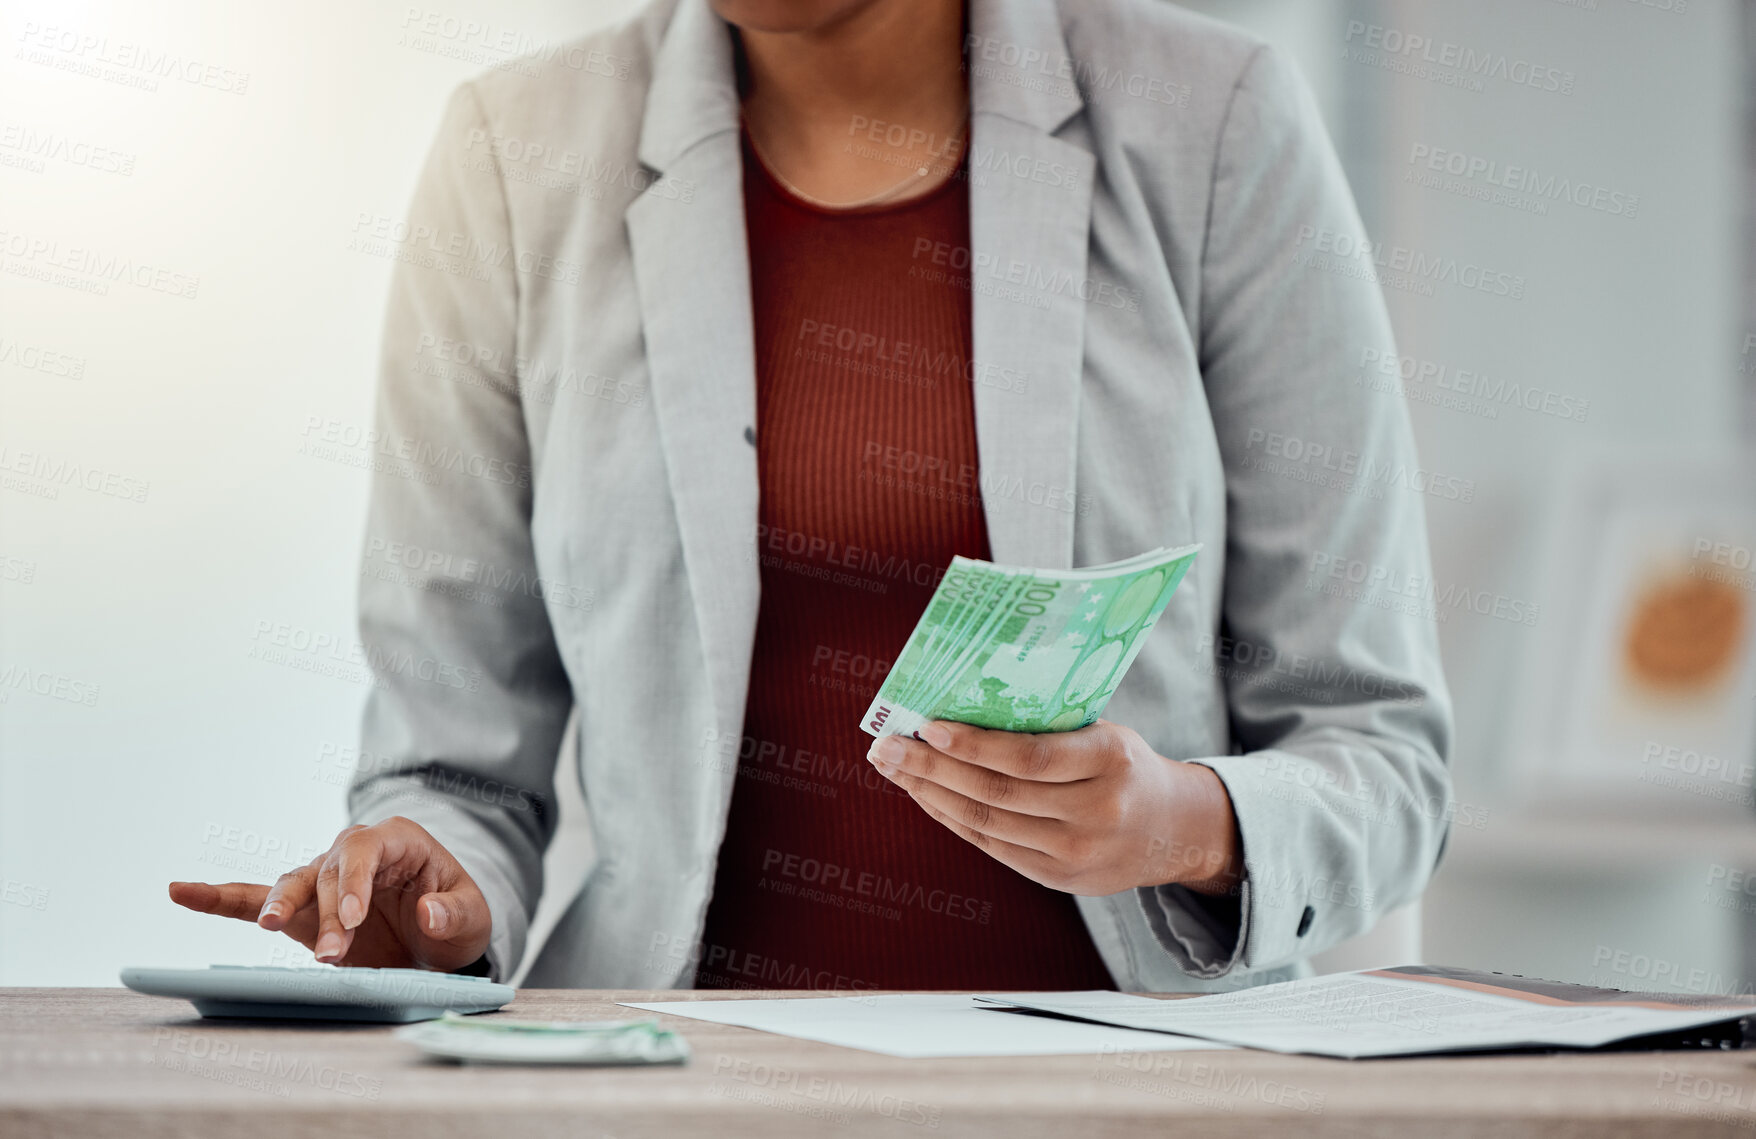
x: 107, y: 1062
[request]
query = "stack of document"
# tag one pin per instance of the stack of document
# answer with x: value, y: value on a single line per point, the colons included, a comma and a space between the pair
x: 923, y: 1025
x: 1407, y: 1011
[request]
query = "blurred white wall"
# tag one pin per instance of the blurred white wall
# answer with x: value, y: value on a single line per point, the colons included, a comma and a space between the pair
x: 200, y: 709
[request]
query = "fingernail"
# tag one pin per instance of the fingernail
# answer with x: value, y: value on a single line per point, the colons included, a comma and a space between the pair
x: 936, y: 734
x: 437, y: 917
x: 329, y: 945
x: 276, y: 910
x: 352, y: 911
x: 886, y: 753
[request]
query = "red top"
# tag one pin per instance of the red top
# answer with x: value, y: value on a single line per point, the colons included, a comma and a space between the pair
x: 830, y: 876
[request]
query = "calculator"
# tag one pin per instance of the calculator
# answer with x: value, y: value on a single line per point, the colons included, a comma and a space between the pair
x: 322, y: 992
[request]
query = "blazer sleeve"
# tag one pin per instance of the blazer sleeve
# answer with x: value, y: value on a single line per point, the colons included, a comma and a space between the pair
x: 1337, y: 702
x: 469, y: 699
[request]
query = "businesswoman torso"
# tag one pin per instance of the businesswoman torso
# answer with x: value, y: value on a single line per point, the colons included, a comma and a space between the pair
x: 687, y: 416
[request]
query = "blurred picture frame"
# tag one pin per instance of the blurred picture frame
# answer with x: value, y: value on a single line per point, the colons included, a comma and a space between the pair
x: 1641, y: 685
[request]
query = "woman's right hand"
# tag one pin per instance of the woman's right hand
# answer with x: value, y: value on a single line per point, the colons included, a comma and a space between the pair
x: 387, y: 895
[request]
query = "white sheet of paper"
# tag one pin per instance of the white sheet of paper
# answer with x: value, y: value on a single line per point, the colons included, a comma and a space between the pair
x: 1358, y: 1015
x: 924, y: 1024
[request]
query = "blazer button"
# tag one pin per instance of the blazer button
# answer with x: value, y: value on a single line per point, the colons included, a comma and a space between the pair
x: 1305, y: 921
x: 750, y: 436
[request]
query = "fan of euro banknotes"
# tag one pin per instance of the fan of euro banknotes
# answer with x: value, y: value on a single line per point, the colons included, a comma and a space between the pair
x: 1027, y: 650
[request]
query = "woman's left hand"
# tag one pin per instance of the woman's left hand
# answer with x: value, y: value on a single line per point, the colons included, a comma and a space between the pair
x: 1092, y: 812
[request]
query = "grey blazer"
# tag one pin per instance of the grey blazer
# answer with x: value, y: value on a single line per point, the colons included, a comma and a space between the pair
x: 1169, y: 336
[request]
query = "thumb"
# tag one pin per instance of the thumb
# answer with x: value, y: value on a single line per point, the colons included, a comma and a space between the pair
x: 457, y: 916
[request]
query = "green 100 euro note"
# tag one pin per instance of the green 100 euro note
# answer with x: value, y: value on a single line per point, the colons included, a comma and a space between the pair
x: 1023, y: 649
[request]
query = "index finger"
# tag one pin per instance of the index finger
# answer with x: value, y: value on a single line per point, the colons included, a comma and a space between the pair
x: 242, y: 900
x: 1045, y: 757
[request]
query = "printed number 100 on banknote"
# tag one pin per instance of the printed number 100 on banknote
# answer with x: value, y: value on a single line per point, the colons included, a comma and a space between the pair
x: 1025, y: 650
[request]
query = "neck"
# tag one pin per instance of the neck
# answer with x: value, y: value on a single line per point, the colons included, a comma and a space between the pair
x: 900, y: 62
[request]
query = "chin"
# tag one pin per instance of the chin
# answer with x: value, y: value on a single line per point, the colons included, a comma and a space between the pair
x: 788, y: 15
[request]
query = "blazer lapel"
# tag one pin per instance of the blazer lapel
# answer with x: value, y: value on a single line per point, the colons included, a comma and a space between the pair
x: 691, y: 268
x: 1030, y: 224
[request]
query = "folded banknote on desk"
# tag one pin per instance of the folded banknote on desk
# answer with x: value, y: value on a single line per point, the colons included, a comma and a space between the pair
x: 502, y: 1040
x: 1026, y: 650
